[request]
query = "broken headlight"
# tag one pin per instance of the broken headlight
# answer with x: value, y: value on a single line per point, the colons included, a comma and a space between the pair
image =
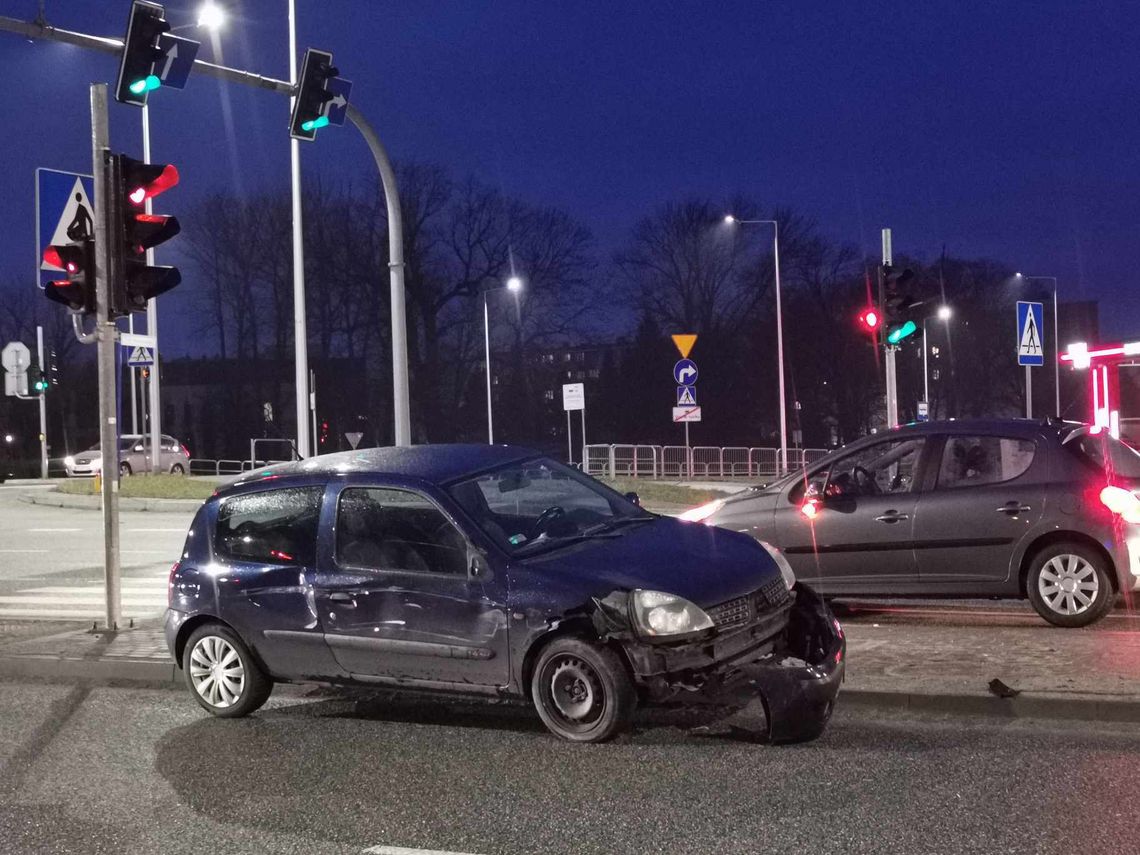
x: 781, y: 562
x: 658, y: 614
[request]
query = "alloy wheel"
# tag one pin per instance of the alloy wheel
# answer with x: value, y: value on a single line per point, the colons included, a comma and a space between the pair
x: 1068, y: 584
x: 216, y: 671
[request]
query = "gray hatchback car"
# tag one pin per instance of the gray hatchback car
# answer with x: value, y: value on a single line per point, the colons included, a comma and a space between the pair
x: 999, y: 508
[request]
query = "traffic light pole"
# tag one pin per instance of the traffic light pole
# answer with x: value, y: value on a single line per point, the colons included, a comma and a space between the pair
x: 152, y: 387
x: 43, y: 405
x: 107, y: 333
x: 890, y: 350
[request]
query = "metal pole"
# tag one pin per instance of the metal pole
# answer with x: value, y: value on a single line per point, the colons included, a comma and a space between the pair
x: 1028, y: 393
x: 1056, y: 352
x: 401, y: 406
x: 487, y: 359
x: 43, y: 405
x: 892, y: 388
x: 300, y: 335
x: 569, y: 441
x: 152, y: 387
x: 925, y: 373
x: 106, y: 331
x: 130, y: 368
x: 583, y: 429
x: 313, y: 408
x: 780, y: 352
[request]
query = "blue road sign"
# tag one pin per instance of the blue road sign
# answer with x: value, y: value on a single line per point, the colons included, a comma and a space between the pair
x: 685, y: 372
x: 138, y: 356
x: 337, y: 108
x: 686, y: 396
x: 1030, y: 346
x: 64, y: 212
x: 174, y: 67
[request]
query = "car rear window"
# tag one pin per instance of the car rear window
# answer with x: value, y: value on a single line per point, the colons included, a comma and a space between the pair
x: 1105, y: 452
x: 270, y: 526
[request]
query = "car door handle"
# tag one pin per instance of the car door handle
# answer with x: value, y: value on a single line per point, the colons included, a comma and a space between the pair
x: 892, y: 517
x: 1013, y: 509
x: 341, y: 597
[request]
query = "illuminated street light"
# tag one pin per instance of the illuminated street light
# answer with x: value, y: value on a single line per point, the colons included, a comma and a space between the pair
x: 729, y: 219
x: 514, y: 285
x: 945, y: 313
x: 211, y: 16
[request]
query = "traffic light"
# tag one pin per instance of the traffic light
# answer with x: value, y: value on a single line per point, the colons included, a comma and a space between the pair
x: 138, y: 231
x: 869, y: 319
x: 77, y: 260
x: 140, y: 53
x: 309, y: 107
x: 897, y: 303
x: 37, y: 380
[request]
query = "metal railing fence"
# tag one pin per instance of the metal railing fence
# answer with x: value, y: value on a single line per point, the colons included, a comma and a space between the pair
x: 697, y: 462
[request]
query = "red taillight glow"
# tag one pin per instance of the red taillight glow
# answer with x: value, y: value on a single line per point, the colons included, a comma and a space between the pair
x: 810, y: 508
x: 186, y: 451
x: 170, y: 584
x: 1121, y: 502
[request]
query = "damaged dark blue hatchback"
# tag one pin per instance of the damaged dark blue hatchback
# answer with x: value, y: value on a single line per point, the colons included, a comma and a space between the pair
x: 493, y: 570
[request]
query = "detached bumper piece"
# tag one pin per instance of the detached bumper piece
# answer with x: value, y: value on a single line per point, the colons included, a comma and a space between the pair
x: 781, y: 689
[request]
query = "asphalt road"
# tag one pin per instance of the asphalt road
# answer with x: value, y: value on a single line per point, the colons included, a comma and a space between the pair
x: 135, y: 770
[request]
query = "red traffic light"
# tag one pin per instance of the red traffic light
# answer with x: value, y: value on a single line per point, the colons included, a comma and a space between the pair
x: 870, y: 319
x: 148, y: 180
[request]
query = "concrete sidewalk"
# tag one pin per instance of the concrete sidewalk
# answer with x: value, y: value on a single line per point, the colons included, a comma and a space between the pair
x: 1071, y: 674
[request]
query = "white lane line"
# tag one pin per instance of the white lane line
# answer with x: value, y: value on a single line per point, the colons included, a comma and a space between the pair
x: 401, y: 850
x: 145, y: 551
x: 178, y: 530
x: 23, y: 550
x: 54, y: 530
x: 44, y: 614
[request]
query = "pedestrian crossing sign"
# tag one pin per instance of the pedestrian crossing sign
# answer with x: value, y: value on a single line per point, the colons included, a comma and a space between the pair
x: 1030, y: 347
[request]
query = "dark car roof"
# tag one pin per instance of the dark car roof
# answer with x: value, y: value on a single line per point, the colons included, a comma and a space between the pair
x: 438, y: 464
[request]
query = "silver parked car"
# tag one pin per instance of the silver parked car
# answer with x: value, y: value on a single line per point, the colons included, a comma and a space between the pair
x: 134, y: 457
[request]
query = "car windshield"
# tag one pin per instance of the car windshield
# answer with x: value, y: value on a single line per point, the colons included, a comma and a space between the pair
x: 539, y: 504
x: 1105, y: 452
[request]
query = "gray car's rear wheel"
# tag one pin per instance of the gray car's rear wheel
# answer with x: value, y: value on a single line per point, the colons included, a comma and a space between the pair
x: 222, y: 674
x: 177, y: 469
x: 1068, y: 585
x: 124, y: 469
x: 582, y: 691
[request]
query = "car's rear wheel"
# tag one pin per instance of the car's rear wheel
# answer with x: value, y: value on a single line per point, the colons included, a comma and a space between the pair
x: 582, y: 691
x: 1068, y: 585
x: 124, y: 470
x: 177, y: 469
x: 221, y: 673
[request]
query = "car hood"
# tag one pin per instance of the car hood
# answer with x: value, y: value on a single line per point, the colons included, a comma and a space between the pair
x: 703, y: 564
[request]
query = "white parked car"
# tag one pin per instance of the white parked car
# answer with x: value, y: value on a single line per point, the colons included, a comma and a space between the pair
x: 134, y: 457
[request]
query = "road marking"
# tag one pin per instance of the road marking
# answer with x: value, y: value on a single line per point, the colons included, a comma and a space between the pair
x: 142, y: 597
x: 23, y: 550
x: 400, y: 850
x: 177, y: 530
x: 55, y: 530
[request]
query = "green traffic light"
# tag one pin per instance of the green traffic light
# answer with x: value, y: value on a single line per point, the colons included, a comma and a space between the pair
x: 146, y: 84
x: 902, y: 332
x: 313, y: 124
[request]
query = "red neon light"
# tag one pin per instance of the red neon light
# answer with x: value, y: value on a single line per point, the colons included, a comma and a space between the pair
x: 1109, y: 350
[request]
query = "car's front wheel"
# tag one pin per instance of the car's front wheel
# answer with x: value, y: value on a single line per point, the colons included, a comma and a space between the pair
x: 582, y: 691
x: 177, y: 469
x: 221, y: 673
x: 1068, y: 585
x: 124, y: 470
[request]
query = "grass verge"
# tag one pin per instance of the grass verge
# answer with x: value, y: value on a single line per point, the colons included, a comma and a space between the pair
x: 147, y: 487
x: 664, y: 493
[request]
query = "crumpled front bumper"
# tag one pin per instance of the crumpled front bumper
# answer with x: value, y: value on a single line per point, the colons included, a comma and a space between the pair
x: 790, y: 686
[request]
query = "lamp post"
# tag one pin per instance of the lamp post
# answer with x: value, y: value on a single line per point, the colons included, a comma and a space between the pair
x: 514, y: 285
x: 731, y: 220
x: 944, y: 314
x: 1056, y: 340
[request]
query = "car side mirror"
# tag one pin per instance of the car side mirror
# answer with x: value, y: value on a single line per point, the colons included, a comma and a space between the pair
x: 633, y: 497
x: 478, y: 568
x: 137, y: 447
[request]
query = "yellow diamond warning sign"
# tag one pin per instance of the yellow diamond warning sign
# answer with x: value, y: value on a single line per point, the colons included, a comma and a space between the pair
x: 684, y: 343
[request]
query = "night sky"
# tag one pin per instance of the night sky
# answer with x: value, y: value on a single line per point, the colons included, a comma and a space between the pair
x: 1007, y: 130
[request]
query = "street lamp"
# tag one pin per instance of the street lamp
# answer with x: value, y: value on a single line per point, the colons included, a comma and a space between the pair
x: 1056, y: 340
x: 514, y: 285
x: 730, y: 220
x: 943, y: 314
x: 211, y: 16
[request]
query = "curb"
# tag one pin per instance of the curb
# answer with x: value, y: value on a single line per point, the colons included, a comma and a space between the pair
x: 55, y: 499
x: 115, y: 671
x: 1023, y: 706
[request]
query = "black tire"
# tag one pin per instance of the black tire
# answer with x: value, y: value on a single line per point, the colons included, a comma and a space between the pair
x: 1061, y: 577
x: 177, y: 469
x: 252, y: 690
x: 124, y: 470
x: 582, y: 691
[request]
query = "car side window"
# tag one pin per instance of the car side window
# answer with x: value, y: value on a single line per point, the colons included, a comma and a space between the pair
x: 270, y: 526
x: 385, y: 529
x: 969, y: 461
x: 883, y: 468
